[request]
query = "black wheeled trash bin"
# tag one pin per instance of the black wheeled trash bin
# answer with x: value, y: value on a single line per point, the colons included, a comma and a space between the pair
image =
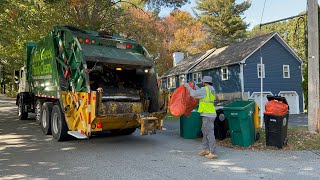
x: 221, y: 126
x: 276, y: 127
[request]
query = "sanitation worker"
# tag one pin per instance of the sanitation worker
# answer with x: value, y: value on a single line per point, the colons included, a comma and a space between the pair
x: 208, y: 113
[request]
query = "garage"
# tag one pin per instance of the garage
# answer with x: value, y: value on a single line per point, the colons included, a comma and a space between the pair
x: 292, y: 99
x: 256, y: 96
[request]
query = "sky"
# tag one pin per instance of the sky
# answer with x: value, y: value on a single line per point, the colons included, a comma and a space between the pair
x: 274, y: 10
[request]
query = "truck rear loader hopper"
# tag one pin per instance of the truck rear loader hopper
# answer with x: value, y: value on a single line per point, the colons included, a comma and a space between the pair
x: 80, y: 82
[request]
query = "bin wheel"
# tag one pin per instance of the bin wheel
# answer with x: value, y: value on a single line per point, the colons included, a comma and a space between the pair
x: 257, y: 136
x: 285, y: 142
x: 228, y: 133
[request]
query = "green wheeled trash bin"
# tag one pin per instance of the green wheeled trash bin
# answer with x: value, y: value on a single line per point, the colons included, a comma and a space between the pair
x: 190, y: 127
x: 240, y: 119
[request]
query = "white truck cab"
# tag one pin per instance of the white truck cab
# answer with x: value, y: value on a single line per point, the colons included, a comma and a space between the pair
x: 20, y: 77
x: 23, y: 96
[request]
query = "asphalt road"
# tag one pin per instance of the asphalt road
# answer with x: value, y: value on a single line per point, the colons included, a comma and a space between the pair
x: 25, y: 153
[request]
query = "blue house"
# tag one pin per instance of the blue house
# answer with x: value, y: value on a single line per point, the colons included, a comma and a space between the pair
x: 237, y: 71
x: 177, y: 75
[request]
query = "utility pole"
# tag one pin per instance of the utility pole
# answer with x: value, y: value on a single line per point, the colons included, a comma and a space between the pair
x: 313, y: 67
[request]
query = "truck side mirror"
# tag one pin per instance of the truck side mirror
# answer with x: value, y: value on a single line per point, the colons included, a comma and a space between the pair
x: 16, y: 76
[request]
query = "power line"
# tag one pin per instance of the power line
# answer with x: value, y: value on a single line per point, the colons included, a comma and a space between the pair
x: 264, y: 5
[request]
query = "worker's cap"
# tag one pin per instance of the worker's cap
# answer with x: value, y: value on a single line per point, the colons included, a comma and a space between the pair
x: 207, y: 79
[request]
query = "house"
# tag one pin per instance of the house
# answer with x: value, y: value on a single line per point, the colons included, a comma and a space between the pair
x: 177, y: 75
x: 237, y: 70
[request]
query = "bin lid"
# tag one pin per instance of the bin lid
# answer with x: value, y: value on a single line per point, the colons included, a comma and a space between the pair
x: 238, y: 105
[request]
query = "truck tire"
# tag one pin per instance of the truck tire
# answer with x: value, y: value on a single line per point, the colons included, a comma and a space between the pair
x: 37, y: 111
x: 21, y: 110
x: 45, y: 117
x: 59, y: 127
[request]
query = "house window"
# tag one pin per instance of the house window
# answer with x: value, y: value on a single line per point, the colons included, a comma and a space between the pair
x: 172, y: 82
x: 197, y: 77
x: 224, y: 73
x: 286, y: 71
x: 182, y: 79
x: 261, y: 70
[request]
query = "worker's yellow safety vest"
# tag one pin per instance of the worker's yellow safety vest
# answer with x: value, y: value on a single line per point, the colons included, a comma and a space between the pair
x: 206, y: 104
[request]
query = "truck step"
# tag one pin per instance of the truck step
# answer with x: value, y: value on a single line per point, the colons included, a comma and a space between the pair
x: 77, y: 134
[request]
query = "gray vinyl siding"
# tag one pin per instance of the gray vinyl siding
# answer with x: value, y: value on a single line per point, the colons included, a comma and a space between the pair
x: 225, y: 86
x: 274, y: 57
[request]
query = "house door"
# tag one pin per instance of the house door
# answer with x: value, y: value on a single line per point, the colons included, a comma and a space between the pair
x: 256, y: 96
x: 292, y: 99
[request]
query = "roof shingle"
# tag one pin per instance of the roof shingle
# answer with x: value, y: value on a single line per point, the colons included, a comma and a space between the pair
x: 233, y: 53
x: 187, y: 63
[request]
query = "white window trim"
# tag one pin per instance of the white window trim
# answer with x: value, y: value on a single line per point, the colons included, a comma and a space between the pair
x: 172, y: 82
x: 263, y: 71
x: 227, y: 72
x: 196, y: 80
x: 284, y: 71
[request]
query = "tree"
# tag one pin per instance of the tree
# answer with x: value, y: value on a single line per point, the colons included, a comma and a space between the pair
x: 149, y: 30
x: 23, y: 21
x: 188, y: 35
x: 223, y: 18
x: 151, y: 3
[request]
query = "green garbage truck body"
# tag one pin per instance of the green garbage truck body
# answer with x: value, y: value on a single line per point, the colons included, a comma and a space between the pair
x: 79, y: 82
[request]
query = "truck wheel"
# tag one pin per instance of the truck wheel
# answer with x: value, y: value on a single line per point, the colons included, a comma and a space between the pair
x: 45, y: 117
x: 38, y: 111
x: 59, y: 127
x: 21, y: 110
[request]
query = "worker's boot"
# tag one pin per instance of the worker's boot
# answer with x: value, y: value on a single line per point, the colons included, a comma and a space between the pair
x: 203, y: 152
x: 211, y: 156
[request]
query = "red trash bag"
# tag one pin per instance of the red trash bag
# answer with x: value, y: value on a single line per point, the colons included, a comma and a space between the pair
x: 274, y: 107
x: 191, y: 102
x: 181, y: 103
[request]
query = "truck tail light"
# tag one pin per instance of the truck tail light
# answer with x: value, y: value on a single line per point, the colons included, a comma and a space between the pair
x: 99, y: 125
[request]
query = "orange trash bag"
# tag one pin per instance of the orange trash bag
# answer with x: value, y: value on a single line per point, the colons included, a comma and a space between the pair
x: 274, y: 107
x: 181, y: 103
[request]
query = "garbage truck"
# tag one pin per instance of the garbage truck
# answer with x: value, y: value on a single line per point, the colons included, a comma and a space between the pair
x: 80, y: 82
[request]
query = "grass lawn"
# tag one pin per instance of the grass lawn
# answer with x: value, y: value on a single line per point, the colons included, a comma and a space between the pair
x: 299, y: 139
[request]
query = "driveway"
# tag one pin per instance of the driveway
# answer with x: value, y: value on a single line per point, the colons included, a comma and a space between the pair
x: 25, y: 153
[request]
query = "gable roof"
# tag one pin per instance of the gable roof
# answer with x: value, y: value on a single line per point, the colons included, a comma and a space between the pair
x: 188, y: 63
x: 239, y: 52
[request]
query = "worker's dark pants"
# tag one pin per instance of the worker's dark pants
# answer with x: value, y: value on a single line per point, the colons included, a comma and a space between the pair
x: 208, y: 140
